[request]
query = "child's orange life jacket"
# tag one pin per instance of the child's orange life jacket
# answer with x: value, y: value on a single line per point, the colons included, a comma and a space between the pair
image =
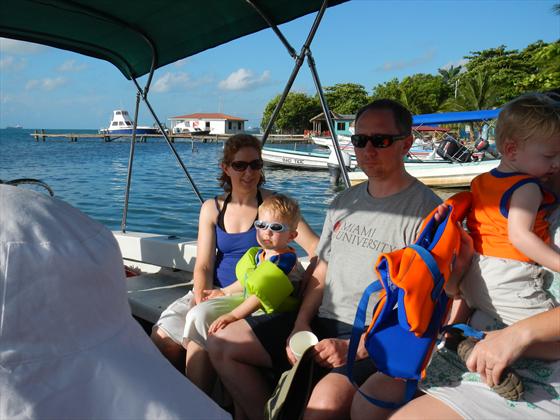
x: 488, y: 218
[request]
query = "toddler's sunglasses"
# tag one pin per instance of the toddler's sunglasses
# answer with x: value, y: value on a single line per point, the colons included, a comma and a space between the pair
x: 273, y: 226
x: 379, y: 141
x: 241, y: 165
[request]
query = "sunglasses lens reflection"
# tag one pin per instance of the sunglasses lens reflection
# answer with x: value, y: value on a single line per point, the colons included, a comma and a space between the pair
x: 240, y: 165
x: 379, y: 141
x: 275, y: 227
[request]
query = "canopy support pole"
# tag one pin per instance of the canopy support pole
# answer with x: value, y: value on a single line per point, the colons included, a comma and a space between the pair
x: 304, y: 52
x: 166, y: 136
x: 328, y: 117
x: 130, y: 161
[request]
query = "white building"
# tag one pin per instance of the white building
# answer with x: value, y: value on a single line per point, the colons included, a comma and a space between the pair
x: 213, y: 123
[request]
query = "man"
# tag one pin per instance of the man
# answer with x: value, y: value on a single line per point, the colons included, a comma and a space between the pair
x: 378, y: 216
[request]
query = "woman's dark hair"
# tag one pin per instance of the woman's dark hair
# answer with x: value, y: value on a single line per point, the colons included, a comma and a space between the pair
x: 401, y: 115
x: 231, y: 147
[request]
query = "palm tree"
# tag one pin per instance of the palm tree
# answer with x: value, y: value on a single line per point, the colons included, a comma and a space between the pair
x: 449, y: 75
x: 475, y: 92
x: 556, y: 8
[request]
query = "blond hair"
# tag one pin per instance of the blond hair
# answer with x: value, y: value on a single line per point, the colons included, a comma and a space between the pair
x: 532, y: 116
x: 283, y: 207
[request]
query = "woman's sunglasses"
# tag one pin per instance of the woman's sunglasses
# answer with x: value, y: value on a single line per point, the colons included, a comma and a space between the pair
x: 241, y: 165
x: 273, y: 226
x: 379, y: 141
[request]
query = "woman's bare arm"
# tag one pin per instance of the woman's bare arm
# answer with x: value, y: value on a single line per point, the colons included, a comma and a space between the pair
x: 537, y: 336
x: 205, y: 250
x: 306, y: 238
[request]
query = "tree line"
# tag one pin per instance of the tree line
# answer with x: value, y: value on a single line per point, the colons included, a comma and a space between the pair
x: 489, y: 79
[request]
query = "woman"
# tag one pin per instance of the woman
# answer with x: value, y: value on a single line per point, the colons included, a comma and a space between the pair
x: 225, y: 233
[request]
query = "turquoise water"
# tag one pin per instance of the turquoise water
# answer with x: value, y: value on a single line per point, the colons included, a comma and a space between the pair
x: 91, y: 175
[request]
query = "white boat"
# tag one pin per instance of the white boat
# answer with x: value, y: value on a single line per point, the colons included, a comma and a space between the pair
x: 299, y: 159
x: 440, y: 173
x: 121, y: 124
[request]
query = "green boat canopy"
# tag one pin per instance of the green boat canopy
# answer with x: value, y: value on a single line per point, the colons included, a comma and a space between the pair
x: 132, y: 33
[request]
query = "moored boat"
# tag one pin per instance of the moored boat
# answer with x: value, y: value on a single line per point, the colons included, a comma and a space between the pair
x: 314, y: 160
x: 121, y: 124
x: 443, y: 174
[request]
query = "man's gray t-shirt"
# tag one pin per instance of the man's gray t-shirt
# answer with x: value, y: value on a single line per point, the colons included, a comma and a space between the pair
x: 357, y: 229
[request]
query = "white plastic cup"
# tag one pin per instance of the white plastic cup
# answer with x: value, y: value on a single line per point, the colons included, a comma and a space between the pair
x: 301, y: 341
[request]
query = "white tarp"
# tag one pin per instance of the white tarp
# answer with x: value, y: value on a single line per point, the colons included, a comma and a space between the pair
x: 69, y: 347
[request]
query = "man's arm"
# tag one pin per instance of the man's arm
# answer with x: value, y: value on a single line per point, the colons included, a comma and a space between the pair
x: 312, y: 298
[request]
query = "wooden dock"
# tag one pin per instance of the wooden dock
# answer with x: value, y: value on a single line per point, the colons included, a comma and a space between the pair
x: 42, y: 135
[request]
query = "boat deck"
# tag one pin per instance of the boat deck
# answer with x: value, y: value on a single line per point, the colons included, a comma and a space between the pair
x: 149, y: 294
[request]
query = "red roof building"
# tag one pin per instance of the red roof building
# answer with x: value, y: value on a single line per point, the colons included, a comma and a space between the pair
x: 207, y: 123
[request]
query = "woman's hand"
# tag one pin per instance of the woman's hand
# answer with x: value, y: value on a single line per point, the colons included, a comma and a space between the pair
x: 498, y: 350
x: 211, y: 294
x: 222, y: 322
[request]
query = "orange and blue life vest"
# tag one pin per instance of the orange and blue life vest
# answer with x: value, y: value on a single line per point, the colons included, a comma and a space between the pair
x: 413, y: 306
x: 488, y: 218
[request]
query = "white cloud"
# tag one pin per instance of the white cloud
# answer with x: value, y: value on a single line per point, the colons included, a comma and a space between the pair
x: 181, y: 63
x: 11, y: 63
x: 71, y: 66
x: 47, y: 84
x: 6, y: 98
x: 177, y: 81
x: 244, y: 79
x: 402, y: 64
x: 457, y: 63
x: 12, y: 46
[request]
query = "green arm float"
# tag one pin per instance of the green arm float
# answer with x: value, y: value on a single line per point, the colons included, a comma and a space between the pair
x: 267, y: 282
x: 246, y: 265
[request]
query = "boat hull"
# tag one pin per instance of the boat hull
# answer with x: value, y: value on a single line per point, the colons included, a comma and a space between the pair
x: 297, y: 159
x: 128, y: 131
x: 440, y: 174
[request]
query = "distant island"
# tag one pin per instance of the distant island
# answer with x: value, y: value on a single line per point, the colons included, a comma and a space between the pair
x: 14, y: 127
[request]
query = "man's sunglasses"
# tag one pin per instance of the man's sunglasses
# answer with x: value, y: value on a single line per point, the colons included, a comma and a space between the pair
x: 273, y: 226
x: 241, y: 165
x: 379, y: 141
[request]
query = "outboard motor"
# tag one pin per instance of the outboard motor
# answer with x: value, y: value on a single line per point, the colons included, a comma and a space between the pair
x: 450, y: 149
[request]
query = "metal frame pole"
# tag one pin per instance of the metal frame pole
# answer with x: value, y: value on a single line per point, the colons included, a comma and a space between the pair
x: 299, y: 59
x: 304, y: 52
x: 166, y: 137
x: 130, y: 161
x: 327, y: 113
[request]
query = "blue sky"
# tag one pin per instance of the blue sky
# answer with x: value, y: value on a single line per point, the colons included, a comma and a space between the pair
x: 363, y: 41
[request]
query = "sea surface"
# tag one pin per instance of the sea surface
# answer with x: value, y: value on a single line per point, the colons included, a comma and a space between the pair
x: 91, y: 175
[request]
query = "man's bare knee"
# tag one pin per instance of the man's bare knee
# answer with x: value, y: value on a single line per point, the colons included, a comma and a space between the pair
x: 331, y: 398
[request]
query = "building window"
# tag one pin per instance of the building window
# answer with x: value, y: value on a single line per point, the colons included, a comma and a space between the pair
x: 340, y: 126
x: 207, y: 124
x: 239, y: 125
x: 229, y: 125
